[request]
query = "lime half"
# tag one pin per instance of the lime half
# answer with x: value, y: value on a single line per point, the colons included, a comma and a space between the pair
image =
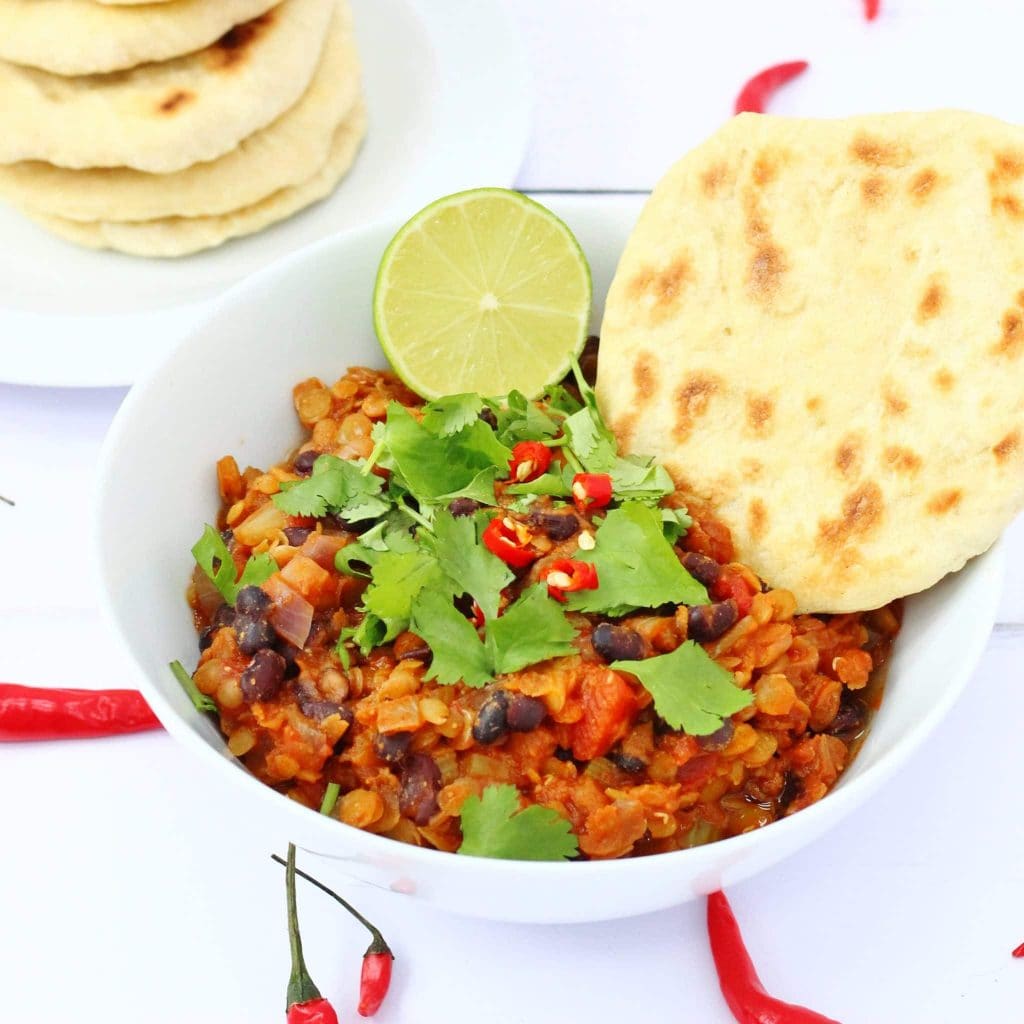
x: 484, y: 291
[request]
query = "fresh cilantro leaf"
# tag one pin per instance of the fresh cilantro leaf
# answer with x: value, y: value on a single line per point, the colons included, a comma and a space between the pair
x: 367, y: 635
x: 560, y: 399
x: 397, y: 579
x: 389, y: 534
x: 338, y: 486
x: 199, y: 700
x: 591, y: 440
x: 494, y: 825
x: 448, y: 415
x: 636, y: 566
x: 639, y: 479
x: 480, y: 488
x: 432, y: 467
x: 519, y: 419
x: 532, y: 629
x: 558, y: 485
x: 457, y: 653
x: 214, y: 558
x: 466, y: 562
x: 674, y: 523
x: 341, y: 648
x: 690, y: 690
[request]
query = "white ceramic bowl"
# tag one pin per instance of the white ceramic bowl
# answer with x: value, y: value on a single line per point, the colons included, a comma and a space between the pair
x: 227, y: 389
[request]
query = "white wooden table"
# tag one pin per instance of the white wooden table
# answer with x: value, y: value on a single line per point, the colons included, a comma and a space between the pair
x: 133, y: 888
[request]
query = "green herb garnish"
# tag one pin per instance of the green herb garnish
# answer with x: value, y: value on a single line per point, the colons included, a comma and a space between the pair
x: 690, y: 690
x: 214, y: 558
x: 199, y: 700
x: 494, y: 825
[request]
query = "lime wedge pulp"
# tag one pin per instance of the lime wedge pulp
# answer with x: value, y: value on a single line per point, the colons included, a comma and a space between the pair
x: 483, y: 291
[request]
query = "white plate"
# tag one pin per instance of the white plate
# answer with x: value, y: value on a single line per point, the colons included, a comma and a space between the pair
x: 449, y: 104
x: 178, y: 419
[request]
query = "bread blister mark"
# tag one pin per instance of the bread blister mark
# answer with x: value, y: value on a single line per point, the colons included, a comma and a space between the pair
x: 644, y: 379
x: 932, y: 301
x: 922, y: 184
x: 1008, y: 447
x: 943, y: 379
x: 901, y: 460
x: 1009, y: 205
x: 944, y: 501
x: 893, y: 402
x: 662, y: 288
x: 1011, y: 340
x: 861, y: 515
x: 757, y: 518
x: 175, y: 100
x: 765, y: 169
x: 760, y: 409
x: 878, y: 152
x: 714, y: 179
x: 692, y: 398
x: 873, y: 190
x: 848, y: 455
x: 232, y: 47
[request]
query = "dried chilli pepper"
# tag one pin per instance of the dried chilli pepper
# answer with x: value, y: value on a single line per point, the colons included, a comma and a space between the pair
x: 44, y: 713
x: 745, y: 995
x: 871, y: 9
x: 759, y: 89
x: 567, y: 575
x: 510, y: 541
x: 530, y: 459
x: 375, y: 977
x: 591, y: 490
x: 304, y: 1004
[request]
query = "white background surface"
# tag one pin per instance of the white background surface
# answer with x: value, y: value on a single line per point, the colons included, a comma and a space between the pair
x: 132, y: 889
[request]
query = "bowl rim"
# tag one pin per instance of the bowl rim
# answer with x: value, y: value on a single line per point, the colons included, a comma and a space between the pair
x: 847, y: 794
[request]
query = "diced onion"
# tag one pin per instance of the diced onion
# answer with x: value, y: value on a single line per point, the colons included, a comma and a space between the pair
x: 290, y: 613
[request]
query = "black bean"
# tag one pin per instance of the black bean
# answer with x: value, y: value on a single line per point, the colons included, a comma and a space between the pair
x: 626, y: 762
x: 707, y: 622
x: 557, y: 525
x: 719, y: 739
x: 463, y: 506
x: 263, y: 677
x: 790, y: 790
x: 525, y: 713
x: 492, y: 718
x: 421, y: 782
x: 703, y: 569
x: 392, y: 747
x: 563, y: 753
x: 289, y: 652
x: 227, y: 535
x: 251, y: 601
x: 303, y: 462
x: 296, y: 535
x: 617, y: 643
x: 312, y: 705
x: 487, y: 415
x: 206, y: 637
x: 253, y: 632
x: 851, y: 716
x: 224, y: 616
x: 588, y: 359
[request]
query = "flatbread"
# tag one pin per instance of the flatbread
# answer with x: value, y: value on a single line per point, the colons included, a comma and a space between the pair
x: 82, y: 37
x: 179, y: 236
x: 163, y: 117
x: 819, y: 327
x: 273, y: 158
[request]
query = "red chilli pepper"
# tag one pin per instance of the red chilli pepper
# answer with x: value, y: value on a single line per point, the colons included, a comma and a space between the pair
x: 566, y: 576
x: 530, y: 459
x: 38, y: 713
x: 756, y: 93
x: 375, y: 977
x: 737, y: 976
x: 477, y: 616
x: 510, y: 541
x: 1018, y: 953
x: 871, y: 9
x: 304, y: 1005
x: 591, y: 490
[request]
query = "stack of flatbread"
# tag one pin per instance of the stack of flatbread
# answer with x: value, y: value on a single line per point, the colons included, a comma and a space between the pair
x: 164, y: 127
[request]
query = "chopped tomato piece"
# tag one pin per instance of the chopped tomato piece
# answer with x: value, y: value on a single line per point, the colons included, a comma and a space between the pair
x: 315, y: 584
x: 608, y: 706
x: 732, y: 584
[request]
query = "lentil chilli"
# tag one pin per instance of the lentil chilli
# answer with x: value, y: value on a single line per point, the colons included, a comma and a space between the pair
x: 569, y: 664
